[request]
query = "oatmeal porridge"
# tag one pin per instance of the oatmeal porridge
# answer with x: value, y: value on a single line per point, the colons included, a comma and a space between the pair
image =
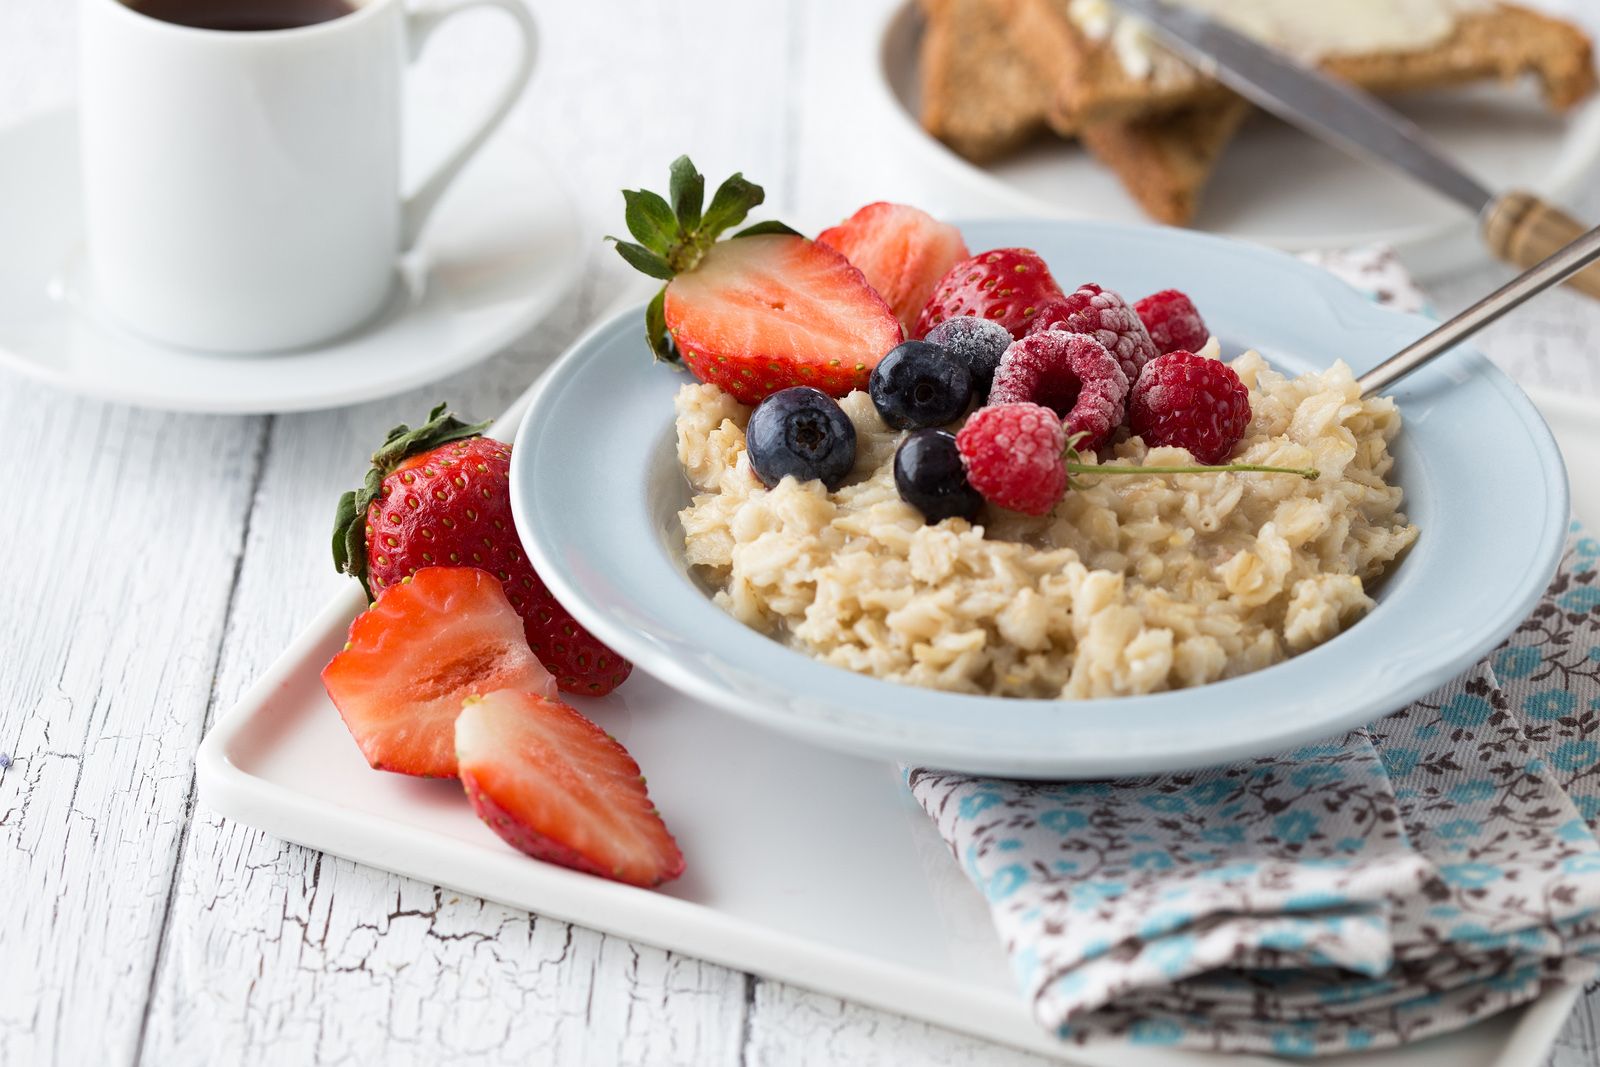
x: 1132, y: 584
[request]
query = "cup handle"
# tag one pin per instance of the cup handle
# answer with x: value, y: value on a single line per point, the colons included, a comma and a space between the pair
x: 419, y: 28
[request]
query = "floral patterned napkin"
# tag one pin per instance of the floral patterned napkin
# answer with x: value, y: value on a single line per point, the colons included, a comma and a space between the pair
x: 1407, y: 879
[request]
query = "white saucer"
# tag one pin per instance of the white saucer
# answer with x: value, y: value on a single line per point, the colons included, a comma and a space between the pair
x: 498, y: 256
x: 1274, y: 185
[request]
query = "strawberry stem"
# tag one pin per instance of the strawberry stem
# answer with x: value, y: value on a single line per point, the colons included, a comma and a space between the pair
x: 1308, y: 473
x: 1070, y: 453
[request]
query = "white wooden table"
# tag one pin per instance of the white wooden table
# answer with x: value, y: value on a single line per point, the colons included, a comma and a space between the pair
x: 153, y: 564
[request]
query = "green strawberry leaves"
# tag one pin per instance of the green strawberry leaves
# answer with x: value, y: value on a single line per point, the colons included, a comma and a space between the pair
x: 769, y: 226
x: 403, y: 442
x: 650, y: 219
x: 732, y: 201
x: 643, y: 260
x: 670, y: 238
x: 688, y: 191
x: 655, y: 329
x: 349, y: 546
x: 672, y: 234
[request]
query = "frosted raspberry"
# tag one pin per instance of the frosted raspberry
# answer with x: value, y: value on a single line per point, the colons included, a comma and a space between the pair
x: 1015, y: 456
x: 1069, y: 372
x: 1173, y: 321
x: 1107, y: 318
x: 1190, y: 402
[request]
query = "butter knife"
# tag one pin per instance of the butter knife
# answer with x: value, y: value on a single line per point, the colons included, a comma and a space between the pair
x: 1517, y: 226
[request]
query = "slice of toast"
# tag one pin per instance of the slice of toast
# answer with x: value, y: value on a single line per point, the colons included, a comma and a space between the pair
x: 1090, y: 84
x: 983, y: 94
x: 1165, y: 161
x: 978, y: 95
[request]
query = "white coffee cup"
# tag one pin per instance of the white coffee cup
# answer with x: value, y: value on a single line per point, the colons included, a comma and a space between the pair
x: 242, y: 189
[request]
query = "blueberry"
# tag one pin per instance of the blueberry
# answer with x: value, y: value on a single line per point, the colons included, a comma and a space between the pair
x: 918, y: 384
x: 800, y: 431
x: 931, y: 478
x: 979, y: 342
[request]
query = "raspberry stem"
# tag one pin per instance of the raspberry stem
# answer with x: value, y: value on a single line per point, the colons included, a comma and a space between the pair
x: 1308, y: 473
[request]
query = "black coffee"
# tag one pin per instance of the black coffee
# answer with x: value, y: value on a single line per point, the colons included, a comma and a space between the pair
x: 243, y: 15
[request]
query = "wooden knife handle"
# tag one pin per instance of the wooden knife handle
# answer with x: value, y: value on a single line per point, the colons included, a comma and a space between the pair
x: 1524, y: 230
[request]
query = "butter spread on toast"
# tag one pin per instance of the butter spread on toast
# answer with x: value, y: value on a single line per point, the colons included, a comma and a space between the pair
x: 1310, y: 31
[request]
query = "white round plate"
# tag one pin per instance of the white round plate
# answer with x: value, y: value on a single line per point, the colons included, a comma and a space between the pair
x: 596, y: 490
x: 1274, y: 184
x: 497, y: 256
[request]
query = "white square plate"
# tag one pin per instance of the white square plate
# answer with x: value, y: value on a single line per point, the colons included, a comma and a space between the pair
x: 805, y: 865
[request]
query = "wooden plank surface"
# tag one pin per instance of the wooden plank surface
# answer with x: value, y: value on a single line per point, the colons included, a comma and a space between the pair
x: 158, y: 562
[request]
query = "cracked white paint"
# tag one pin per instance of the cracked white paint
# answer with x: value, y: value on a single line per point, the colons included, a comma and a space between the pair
x: 137, y: 928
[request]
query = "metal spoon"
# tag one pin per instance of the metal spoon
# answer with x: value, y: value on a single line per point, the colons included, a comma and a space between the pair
x: 1553, y: 271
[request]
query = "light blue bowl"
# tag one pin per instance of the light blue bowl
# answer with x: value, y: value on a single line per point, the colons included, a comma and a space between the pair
x: 596, y: 489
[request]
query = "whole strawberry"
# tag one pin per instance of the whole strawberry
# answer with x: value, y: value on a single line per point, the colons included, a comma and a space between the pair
x: 761, y: 312
x: 439, y: 495
x: 1192, y: 402
x: 1009, y: 286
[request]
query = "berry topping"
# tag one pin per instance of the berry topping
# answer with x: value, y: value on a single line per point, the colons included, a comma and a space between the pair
x: 931, y: 477
x: 1015, y: 455
x: 1072, y: 374
x: 920, y: 384
x: 1019, y: 457
x: 902, y: 250
x: 1107, y: 318
x: 1188, y: 401
x: 760, y: 312
x: 430, y: 642
x: 1007, y: 286
x: 1173, y: 322
x: 801, y: 432
x: 554, y: 785
x: 979, y: 342
x: 440, y: 495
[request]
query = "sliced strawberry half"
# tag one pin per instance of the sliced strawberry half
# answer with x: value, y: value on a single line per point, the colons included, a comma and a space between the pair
x: 902, y: 250
x: 445, y: 634
x: 763, y: 313
x: 557, y: 787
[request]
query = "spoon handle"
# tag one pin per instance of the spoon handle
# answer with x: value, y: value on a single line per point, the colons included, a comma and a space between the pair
x: 1553, y: 271
x: 1522, y: 229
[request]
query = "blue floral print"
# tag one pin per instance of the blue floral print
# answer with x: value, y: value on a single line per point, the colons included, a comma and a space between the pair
x: 1448, y: 853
